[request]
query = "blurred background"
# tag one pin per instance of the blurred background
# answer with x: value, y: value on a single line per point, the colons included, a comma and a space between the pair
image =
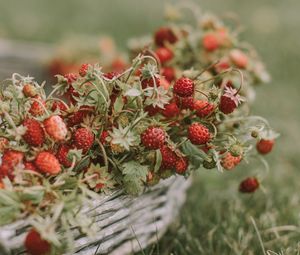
x: 216, y: 219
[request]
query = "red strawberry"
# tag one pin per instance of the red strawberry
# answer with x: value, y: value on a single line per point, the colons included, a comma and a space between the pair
x: 203, y: 108
x: 36, y: 108
x: 249, y: 185
x: 6, y: 170
x: 222, y: 65
x: 35, y: 245
x: 30, y: 166
x: 171, y: 110
x: 210, y: 42
x: 103, y: 137
x: 47, y: 163
x: 111, y: 75
x: 229, y: 162
x: 56, y: 128
x: 71, y: 95
x: 152, y: 110
x: 239, y: 58
x: 168, y: 73
x: 71, y: 77
x: 3, y: 144
x: 264, y: 146
x: 77, y: 117
x: 149, y: 82
x: 181, y: 165
x: 29, y: 90
x: 62, y: 155
x: 83, y: 139
x: 12, y: 158
x: 58, y: 105
x: 164, y: 54
x: 34, y: 134
x: 184, y: 87
x: 83, y: 70
x: 169, y: 158
x: 164, y: 34
x: 198, y: 134
x: 153, y: 138
x: 229, y: 101
x: 184, y: 102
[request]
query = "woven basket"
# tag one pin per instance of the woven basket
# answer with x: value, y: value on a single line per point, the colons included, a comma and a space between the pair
x: 125, y: 224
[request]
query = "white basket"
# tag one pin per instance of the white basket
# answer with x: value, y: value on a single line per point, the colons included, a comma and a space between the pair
x: 125, y: 224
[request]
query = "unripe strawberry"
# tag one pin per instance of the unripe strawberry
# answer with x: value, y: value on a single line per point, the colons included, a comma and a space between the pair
x: 169, y: 158
x: 229, y: 162
x: 163, y: 35
x: 210, y: 42
x: 35, y: 245
x: 169, y: 73
x: 83, y: 139
x: 198, y: 134
x: 153, y: 138
x: 164, y: 54
x: 265, y: 146
x: 29, y: 90
x: 184, y: 102
x: 249, y: 185
x: 56, y: 128
x: 181, y: 165
x: 184, y: 87
x: 47, y: 163
x: 171, y: 110
x: 203, y: 108
x: 62, y: 155
x: 3, y: 144
x: 239, y: 58
x: 34, y: 134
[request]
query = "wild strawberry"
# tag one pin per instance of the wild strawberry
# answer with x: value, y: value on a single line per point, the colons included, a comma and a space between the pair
x: 30, y: 166
x: 229, y: 100
x: 239, y: 58
x: 77, y: 117
x: 111, y: 75
x: 229, y: 162
x: 264, y: 146
x: 83, y: 139
x: 222, y: 65
x: 152, y: 110
x: 198, y: 134
x: 35, y: 245
x: 36, y: 108
x: 56, y: 128
x: 103, y: 137
x: 249, y: 185
x: 164, y: 54
x: 47, y: 163
x: 184, y: 87
x: 58, y: 105
x: 210, y: 42
x: 12, y: 157
x: 1, y: 184
x: 181, y: 165
x: 62, y: 155
x: 169, y: 73
x: 6, y: 171
x: 169, y: 158
x: 203, y: 108
x: 3, y: 144
x: 153, y: 138
x: 164, y: 34
x: 171, y: 110
x: 184, y: 102
x: 83, y: 70
x: 71, y: 77
x: 149, y: 82
x: 34, y: 134
x: 29, y: 90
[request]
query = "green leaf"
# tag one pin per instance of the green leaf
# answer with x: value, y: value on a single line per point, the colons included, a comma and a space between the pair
x: 33, y: 194
x: 119, y: 103
x: 158, y: 160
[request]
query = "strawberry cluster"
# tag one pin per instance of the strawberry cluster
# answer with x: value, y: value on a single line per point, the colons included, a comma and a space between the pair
x: 98, y: 131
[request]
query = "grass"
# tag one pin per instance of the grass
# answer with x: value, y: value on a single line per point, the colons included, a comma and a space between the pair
x: 216, y: 218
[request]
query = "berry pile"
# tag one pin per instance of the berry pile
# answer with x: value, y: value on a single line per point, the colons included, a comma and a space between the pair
x: 98, y: 131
